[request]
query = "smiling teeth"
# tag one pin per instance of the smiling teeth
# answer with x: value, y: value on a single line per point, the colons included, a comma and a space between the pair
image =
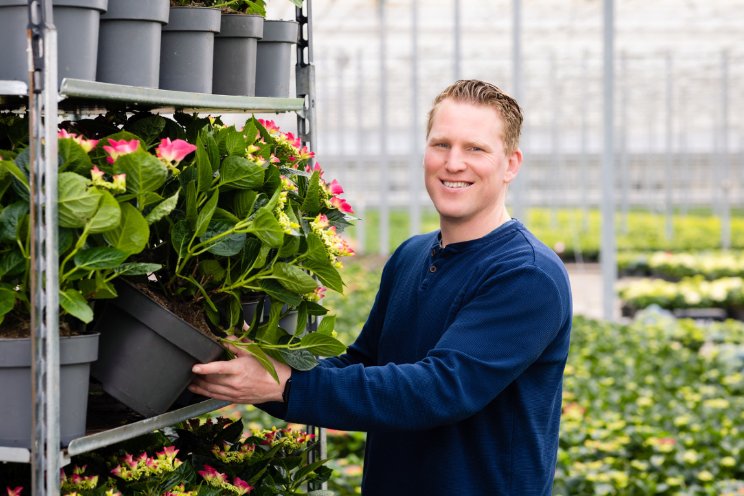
x: 458, y: 184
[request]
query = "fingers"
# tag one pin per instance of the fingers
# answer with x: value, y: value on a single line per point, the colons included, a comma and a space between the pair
x: 218, y: 367
x: 196, y: 389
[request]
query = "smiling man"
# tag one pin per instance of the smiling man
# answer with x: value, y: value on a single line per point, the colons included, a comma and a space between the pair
x: 457, y: 374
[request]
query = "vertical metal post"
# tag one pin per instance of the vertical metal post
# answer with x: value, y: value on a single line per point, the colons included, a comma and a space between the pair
x: 44, y: 283
x: 384, y: 200
x: 305, y: 84
x: 361, y: 171
x: 457, y: 51
x: 623, y: 159
x: 724, y: 183
x: 342, y: 61
x: 685, y: 164
x: 414, y: 177
x: 668, y: 176
x: 607, y: 248
x: 557, y: 161
x: 584, y: 158
x: 518, y: 186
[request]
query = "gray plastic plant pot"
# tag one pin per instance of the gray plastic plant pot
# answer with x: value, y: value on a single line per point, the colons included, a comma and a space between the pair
x: 146, y: 352
x: 187, y: 49
x: 235, y: 54
x: 129, y: 42
x: 76, y: 354
x: 274, y: 58
x: 77, y: 23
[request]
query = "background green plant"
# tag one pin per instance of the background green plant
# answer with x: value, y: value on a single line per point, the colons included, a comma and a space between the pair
x: 565, y: 230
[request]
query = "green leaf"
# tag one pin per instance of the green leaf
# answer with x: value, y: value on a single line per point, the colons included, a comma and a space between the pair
x: 162, y: 209
x: 293, y: 278
x: 10, y: 219
x: 255, y: 350
x: 299, y: 359
x: 132, y: 234
x: 234, y: 142
x: 107, y: 216
x: 240, y: 173
x: 7, y: 301
x: 145, y: 174
x: 315, y: 308
x: 326, y: 273
x: 213, y: 150
x: 191, y: 202
x: 212, y: 269
x: 148, y: 127
x: 15, y: 171
x: 137, y: 268
x: 290, y: 246
x: 322, y: 345
x: 228, y: 245
x: 100, y: 257
x: 203, y: 167
x: 327, y: 325
x: 73, y: 302
x: 243, y: 202
x: 250, y: 132
x: 72, y: 157
x: 280, y: 293
x: 180, y: 236
x: 77, y: 201
x: 312, y: 203
x: 266, y: 228
x: 206, y: 213
x: 12, y: 263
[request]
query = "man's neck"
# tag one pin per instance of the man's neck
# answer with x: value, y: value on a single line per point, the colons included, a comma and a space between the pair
x: 455, y: 232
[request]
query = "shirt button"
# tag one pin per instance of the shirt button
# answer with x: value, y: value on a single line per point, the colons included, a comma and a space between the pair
x: 433, y: 268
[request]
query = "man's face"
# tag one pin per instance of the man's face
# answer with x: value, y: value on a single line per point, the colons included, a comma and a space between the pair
x: 466, y: 168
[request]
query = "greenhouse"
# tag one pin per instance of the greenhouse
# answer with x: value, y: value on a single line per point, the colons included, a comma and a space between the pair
x: 389, y: 247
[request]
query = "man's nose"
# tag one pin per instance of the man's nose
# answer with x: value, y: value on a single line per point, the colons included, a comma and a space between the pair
x: 455, y: 160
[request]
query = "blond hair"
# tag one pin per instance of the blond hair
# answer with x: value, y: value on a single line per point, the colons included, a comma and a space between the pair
x: 482, y: 93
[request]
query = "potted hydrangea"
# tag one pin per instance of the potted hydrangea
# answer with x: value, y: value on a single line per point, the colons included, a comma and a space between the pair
x: 250, y: 218
x: 101, y: 227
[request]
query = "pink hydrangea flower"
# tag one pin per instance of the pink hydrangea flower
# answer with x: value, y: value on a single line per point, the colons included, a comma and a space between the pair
x: 117, y: 148
x: 174, y: 151
x: 16, y: 491
x: 241, y: 486
x: 342, y: 205
x: 335, y: 188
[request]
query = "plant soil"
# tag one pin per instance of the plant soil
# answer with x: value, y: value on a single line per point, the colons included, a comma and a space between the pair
x: 185, y: 310
x: 15, y: 328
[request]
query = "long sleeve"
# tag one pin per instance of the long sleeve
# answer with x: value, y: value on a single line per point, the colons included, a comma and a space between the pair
x: 494, y: 338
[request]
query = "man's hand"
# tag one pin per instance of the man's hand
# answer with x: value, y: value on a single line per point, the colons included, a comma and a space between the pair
x: 241, y: 380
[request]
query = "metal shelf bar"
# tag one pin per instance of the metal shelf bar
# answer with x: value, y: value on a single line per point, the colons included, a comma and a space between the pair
x: 13, y: 88
x: 145, y: 426
x: 151, y: 97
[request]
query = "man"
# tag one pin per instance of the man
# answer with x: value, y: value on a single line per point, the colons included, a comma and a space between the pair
x: 457, y: 374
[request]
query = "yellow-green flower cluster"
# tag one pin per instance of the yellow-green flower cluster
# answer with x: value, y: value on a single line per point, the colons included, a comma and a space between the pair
x: 131, y: 468
x: 335, y: 244
x: 226, y: 455
x: 78, y: 481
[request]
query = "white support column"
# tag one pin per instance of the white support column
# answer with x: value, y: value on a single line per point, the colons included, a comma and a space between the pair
x: 414, y: 164
x: 608, y: 258
x: 384, y: 199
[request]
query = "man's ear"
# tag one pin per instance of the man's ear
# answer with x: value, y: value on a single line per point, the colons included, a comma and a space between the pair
x: 513, y: 166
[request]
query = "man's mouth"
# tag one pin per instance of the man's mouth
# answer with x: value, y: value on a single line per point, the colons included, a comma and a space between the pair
x: 456, y: 184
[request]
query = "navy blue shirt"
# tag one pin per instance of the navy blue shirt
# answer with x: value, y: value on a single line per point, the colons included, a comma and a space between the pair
x: 457, y: 374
